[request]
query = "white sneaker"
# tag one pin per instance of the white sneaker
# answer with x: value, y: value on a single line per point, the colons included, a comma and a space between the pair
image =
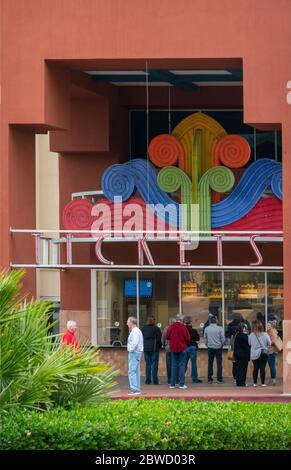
x: 264, y: 385
x: 255, y: 385
x: 172, y: 386
x: 182, y: 387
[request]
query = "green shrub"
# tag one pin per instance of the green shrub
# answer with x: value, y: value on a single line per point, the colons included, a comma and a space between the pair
x: 35, y: 371
x: 161, y: 424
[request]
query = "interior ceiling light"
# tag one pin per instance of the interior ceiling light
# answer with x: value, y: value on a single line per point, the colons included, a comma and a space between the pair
x: 200, y: 72
x: 218, y: 83
x: 115, y: 72
x: 141, y: 83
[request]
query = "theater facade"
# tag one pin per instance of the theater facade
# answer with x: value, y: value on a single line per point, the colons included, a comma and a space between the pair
x: 173, y: 166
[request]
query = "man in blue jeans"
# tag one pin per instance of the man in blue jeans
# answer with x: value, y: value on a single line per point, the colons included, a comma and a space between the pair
x: 179, y: 338
x: 214, y: 340
x: 135, y: 349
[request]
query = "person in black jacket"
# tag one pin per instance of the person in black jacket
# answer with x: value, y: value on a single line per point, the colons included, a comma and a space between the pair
x: 152, y: 337
x: 231, y: 330
x: 241, y: 354
x: 232, y: 327
x: 192, y: 350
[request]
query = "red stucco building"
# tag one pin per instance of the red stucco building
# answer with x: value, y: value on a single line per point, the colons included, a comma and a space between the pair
x: 104, y: 78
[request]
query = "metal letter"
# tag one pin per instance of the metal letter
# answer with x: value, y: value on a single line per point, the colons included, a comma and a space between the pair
x: 98, y: 250
x: 182, y: 244
x: 143, y: 248
x: 256, y: 251
x: 219, y: 249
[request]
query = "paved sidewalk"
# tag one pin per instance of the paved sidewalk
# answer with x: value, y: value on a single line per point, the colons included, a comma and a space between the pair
x: 225, y: 392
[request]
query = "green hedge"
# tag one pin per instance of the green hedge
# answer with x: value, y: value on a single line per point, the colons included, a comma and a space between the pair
x: 160, y: 424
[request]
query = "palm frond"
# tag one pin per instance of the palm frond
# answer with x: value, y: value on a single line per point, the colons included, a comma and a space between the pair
x: 36, y: 371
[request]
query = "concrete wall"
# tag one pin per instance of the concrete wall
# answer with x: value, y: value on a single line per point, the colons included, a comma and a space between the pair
x: 118, y: 358
x: 47, y: 209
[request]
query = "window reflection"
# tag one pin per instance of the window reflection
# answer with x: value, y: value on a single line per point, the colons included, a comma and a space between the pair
x: 244, y: 297
x: 275, y: 299
x: 163, y: 302
x: 201, y: 295
x: 115, y: 303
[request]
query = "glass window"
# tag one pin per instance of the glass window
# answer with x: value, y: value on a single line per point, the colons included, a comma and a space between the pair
x: 201, y: 295
x: 163, y: 300
x: 244, y: 297
x: 54, y: 315
x: 116, y: 301
x: 275, y: 299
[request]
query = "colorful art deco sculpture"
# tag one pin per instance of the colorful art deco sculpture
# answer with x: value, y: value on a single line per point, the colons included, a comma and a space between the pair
x: 196, y: 161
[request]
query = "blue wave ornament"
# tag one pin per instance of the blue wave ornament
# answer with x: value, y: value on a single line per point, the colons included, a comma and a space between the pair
x: 138, y: 174
x: 276, y: 183
x: 118, y: 181
x: 256, y: 179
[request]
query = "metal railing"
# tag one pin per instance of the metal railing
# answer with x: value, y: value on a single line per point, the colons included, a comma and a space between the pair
x: 54, y: 248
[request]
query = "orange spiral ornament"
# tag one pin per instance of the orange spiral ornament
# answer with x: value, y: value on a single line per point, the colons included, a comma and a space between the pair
x: 232, y: 150
x: 166, y: 150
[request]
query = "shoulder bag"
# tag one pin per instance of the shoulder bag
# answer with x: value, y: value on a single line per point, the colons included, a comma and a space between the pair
x: 230, y: 353
x: 264, y: 351
x: 277, y: 344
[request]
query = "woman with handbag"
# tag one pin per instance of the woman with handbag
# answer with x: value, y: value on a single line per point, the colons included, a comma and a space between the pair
x: 276, y: 346
x: 241, y: 354
x: 259, y: 342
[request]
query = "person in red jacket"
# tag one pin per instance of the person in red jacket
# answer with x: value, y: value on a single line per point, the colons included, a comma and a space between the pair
x: 179, y: 338
x: 69, y: 336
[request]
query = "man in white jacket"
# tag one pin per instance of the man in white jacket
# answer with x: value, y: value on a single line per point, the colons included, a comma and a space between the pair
x: 135, y: 349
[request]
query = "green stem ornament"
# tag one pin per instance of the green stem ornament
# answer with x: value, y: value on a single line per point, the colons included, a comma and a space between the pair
x: 170, y: 179
x: 196, y: 163
x: 219, y: 179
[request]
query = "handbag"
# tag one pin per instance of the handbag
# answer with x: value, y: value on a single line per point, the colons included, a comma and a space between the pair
x: 277, y: 344
x: 230, y: 353
x: 264, y: 351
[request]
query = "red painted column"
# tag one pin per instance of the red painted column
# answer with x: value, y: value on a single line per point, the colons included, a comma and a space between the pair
x: 18, y: 199
x: 286, y: 136
x: 44, y: 106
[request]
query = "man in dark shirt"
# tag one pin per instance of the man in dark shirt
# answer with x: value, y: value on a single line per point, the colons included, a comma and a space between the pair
x: 152, y: 337
x: 192, y: 349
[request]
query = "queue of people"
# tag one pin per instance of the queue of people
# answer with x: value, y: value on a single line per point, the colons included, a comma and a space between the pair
x: 260, y: 347
x: 181, y: 342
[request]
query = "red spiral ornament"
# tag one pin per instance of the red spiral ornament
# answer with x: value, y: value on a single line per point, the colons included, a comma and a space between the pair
x: 77, y: 216
x: 166, y: 150
x: 232, y: 150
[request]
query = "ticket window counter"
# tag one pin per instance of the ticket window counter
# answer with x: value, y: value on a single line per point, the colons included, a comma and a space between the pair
x: 117, y: 295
